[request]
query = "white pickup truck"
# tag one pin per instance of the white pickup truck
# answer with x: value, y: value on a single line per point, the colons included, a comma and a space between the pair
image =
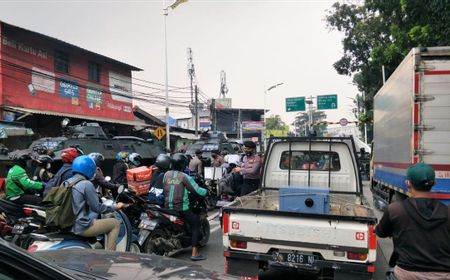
x: 309, y: 214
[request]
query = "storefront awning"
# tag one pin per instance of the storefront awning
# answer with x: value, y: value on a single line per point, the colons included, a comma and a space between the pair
x: 50, y: 113
x: 185, y: 135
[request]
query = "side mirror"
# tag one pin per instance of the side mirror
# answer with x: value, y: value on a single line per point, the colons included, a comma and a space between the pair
x: 107, y: 179
x: 120, y: 189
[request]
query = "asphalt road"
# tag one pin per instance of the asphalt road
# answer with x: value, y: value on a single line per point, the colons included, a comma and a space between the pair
x: 216, y: 261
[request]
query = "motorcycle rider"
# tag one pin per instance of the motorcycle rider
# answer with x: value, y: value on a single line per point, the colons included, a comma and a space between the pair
x: 176, y: 187
x: 87, y: 208
x: 65, y: 172
x: 419, y: 227
x: 135, y: 160
x: 155, y: 194
x: 42, y: 173
x: 99, y: 179
x: 250, y: 168
x: 18, y: 184
x: 120, y: 169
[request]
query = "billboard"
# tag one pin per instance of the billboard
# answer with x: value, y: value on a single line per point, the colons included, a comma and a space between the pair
x: 252, y: 125
x: 222, y: 103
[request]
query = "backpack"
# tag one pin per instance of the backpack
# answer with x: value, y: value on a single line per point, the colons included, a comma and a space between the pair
x: 59, y: 213
x: 55, y: 181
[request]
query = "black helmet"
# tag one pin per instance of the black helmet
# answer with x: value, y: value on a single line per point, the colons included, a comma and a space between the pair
x: 179, y: 161
x: 21, y: 160
x: 43, y: 160
x: 98, y: 158
x: 163, y: 162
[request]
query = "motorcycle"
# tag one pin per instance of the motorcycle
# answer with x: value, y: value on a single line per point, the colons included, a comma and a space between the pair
x: 163, y: 232
x: 18, y: 221
x: 210, y: 185
x: 57, y: 240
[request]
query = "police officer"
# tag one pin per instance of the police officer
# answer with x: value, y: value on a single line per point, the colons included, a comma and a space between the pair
x: 250, y: 168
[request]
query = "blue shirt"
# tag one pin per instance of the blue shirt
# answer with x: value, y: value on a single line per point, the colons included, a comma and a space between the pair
x: 86, y: 205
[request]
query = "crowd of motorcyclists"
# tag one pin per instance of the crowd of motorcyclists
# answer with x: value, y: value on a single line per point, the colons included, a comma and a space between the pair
x: 173, y: 179
x: 169, y: 186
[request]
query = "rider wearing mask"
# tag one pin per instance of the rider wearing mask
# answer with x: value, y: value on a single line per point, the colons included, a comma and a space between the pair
x: 99, y: 180
x: 18, y: 186
x: 42, y: 173
x: 177, y: 185
x: 87, y: 208
x: 250, y: 168
x: 120, y: 169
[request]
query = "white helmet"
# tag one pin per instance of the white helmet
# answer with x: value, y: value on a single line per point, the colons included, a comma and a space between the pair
x: 234, y: 160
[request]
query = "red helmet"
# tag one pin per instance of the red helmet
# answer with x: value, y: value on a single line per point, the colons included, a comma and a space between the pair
x: 68, y: 155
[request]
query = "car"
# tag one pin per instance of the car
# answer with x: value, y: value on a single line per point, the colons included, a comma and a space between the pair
x: 15, y: 263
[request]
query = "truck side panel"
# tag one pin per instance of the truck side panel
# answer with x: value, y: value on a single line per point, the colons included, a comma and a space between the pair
x: 412, y: 120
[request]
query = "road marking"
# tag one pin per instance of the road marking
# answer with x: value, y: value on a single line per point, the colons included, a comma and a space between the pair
x: 216, y: 228
x: 215, y: 215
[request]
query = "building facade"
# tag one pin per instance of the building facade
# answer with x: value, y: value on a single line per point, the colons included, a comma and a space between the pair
x: 43, y: 77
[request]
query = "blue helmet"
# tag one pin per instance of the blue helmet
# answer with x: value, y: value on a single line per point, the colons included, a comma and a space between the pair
x: 85, y: 166
x: 122, y: 156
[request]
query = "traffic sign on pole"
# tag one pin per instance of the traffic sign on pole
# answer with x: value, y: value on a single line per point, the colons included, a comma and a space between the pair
x: 159, y: 133
x: 343, y: 122
x: 327, y: 102
x: 294, y: 104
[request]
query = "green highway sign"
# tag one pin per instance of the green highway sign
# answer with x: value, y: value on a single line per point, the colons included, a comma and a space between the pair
x: 327, y: 102
x: 294, y: 104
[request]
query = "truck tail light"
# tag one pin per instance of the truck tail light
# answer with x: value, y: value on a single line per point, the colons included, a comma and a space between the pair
x: 225, y: 222
x: 238, y: 244
x: 371, y: 268
x: 356, y: 256
x: 372, y: 238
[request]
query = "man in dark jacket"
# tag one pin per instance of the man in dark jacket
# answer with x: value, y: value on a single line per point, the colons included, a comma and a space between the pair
x: 120, y: 169
x: 420, y: 229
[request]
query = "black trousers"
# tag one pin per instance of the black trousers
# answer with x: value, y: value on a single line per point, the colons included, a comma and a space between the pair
x: 28, y: 199
x: 193, y: 221
x: 249, y: 185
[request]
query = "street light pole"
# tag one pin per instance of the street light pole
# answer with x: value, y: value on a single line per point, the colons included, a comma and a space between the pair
x: 264, y: 130
x: 166, y: 13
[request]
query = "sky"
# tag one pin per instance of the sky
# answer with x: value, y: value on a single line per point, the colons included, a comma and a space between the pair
x: 257, y: 43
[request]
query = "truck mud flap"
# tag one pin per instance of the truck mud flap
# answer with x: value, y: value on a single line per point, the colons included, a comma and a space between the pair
x: 242, y: 267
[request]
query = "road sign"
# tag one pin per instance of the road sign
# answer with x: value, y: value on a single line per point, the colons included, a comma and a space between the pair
x: 159, y: 133
x: 327, y: 102
x: 343, y: 122
x: 294, y: 104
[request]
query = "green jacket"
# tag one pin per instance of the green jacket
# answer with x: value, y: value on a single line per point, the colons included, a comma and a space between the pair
x: 17, y: 182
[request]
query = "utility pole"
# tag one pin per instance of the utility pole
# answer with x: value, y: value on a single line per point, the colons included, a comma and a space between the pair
x: 196, y: 110
x: 191, y: 71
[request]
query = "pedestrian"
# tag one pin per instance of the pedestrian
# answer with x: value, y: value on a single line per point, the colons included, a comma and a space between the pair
x: 250, y: 168
x: 420, y: 229
x: 217, y: 160
x: 196, y: 165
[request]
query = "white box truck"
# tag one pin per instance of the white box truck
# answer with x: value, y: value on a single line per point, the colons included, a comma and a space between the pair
x: 412, y: 124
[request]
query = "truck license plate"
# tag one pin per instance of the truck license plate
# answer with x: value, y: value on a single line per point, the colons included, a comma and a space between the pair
x: 295, y: 258
x: 18, y: 229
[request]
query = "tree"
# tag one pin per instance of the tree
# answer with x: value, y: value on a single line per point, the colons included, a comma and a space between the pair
x: 301, y: 123
x: 274, y: 122
x: 380, y: 33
